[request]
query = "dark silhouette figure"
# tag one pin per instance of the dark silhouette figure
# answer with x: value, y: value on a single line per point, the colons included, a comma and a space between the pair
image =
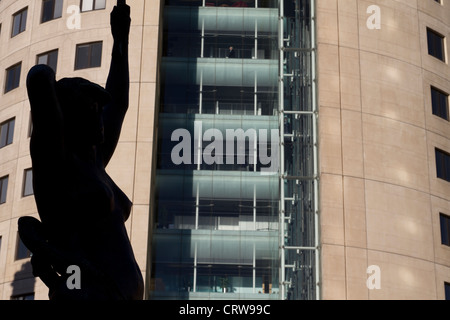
x: 231, y: 53
x: 76, y: 127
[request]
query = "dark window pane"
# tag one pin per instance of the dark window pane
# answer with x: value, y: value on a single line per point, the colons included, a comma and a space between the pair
x: 22, y: 251
x: 82, y: 60
x: 28, y: 183
x: 16, y: 25
x: 13, y: 77
x: 443, y: 165
x: 7, y: 133
x: 53, y: 60
x: 3, y: 189
x: 445, y: 229
x: 19, y: 22
x: 28, y: 296
x: 447, y: 291
x: 3, y: 135
x: 47, y: 10
x: 49, y: 58
x: 11, y: 125
x: 435, y: 44
x: 89, y: 55
x: 23, y: 23
x: 96, y: 58
x: 439, y: 102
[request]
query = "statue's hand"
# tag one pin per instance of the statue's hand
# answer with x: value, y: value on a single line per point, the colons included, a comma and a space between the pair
x: 120, y: 23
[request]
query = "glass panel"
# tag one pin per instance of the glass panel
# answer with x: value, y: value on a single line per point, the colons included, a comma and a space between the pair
x: 29, y: 296
x: 3, y: 189
x: 82, y: 59
x: 444, y: 106
x: 439, y: 164
x: 445, y: 223
x: 87, y: 5
x: 47, y: 10
x: 100, y: 4
x: 17, y: 71
x: 22, y: 251
x: 3, y: 134
x: 11, y: 125
x: 58, y: 9
x: 23, y: 23
x: 447, y: 291
x: 16, y: 24
x: 53, y: 60
x: 42, y: 59
x: 50, y: 59
x: 96, y: 55
x: 214, y: 208
x: 28, y: 183
x: 435, y: 44
x: 13, y: 77
x: 447, y: 166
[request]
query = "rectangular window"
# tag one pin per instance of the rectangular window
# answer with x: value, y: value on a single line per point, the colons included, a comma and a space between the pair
x: 19, y: 22
x: 443, y: 165
x: 445, y: 229
x: 30, y: 126
x: 3, y: 189
x: 447, y: 291
x: 51, y: 9
x: 49, y: 58
x: 7, y: 132
x: 89, y: 5
x: 27, y: 183
x: 439, y: 100
x: 436, y: 44
x: 88, y: 55
x: 22, y: 251
x: 26, y: 296
x: 13, y: 77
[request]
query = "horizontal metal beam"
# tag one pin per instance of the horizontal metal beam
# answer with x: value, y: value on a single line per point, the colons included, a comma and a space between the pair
x: 299, y: 248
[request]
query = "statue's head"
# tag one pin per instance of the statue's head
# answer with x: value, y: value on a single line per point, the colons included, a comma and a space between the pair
x: 82, y: 105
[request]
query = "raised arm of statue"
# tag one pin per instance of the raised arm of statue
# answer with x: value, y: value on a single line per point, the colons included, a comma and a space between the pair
x: 118, y: 82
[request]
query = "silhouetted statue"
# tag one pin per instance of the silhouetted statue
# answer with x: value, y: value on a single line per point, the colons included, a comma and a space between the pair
x: 76, y: 127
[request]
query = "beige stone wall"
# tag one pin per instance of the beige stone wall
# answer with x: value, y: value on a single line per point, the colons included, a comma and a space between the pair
x: 131, y: 164
x: 380, y: 197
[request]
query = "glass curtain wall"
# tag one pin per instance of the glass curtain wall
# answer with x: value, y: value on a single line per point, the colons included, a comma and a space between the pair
x: 216, y: 220
x: 298, y: 115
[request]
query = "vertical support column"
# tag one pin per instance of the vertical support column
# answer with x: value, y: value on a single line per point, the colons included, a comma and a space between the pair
x: 282, y: 275
x: 316, y: 146
x: 194, y: 282
x: 254, y: 268
x: 202, y: 45
x: 200, y: 101
x: 197, y: 204
x: 256, y: 40
x: 254, y: 206
x: 255, y: 97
